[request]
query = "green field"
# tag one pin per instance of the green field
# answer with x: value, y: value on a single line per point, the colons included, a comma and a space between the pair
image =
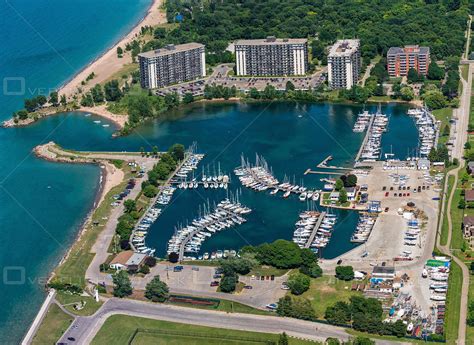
x: 326, y: 291
x: 453, y: 304
x: 122, y: 329
x: 68, y: 300
x: 53, y: 326
x: 445, y: 229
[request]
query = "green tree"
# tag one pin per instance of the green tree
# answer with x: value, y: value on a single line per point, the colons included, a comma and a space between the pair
x: 97, y: 94
x: 188, y: 98
x: 87, y: 100
x: 434, y: 99
x: 413, y: 76
x: 435, y: 72
x: 339, y: 313
x: 344, y: 272
x: 150, y: 191
x: 21, y: 114
x: 177, y: 152
x: 462, y: 204
x: 283, y: 339
x: 342, y: 196
x: 53, y: 98
x: 144, y: 269
x: 298, y: 283
x: 289, y: 86
x: 406, y: 93
x: 130, y: 205
x: 122, y: 284
x: 228, y: 283
x: 112, y: 91
x: 339, y: 185
x: 280, y: 254
x: 119, y: 52
x: 63, y: 100
x: 157, y: 290
x: 446, y: 131
x: 350, y: 181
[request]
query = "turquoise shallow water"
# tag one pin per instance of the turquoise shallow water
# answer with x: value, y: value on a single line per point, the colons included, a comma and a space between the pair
x: 42, y: 204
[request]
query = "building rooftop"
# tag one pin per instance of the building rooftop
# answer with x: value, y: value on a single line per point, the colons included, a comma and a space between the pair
x: 136, y: 259
x: 122, y: 257
x: 384, y: 270
x: 344, y: 47
x: 469, y: 195
x: 272, y: 40
x: 468, y: 221
x: 408, y: 49
x: 171, y: 49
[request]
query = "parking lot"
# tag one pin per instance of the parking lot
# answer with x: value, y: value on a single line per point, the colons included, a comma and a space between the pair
x: 196, y: 280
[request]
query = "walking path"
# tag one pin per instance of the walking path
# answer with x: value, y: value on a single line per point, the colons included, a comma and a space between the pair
x: 460, y: 131
x: 39, y: 318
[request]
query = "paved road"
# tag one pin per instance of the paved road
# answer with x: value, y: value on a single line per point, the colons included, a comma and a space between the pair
x: 84, y: 329
x: 462, y: 114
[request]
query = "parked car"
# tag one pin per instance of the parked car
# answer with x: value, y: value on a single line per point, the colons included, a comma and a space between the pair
x: 271, y: 306
x: 248, y: 287
x: 214, y: 283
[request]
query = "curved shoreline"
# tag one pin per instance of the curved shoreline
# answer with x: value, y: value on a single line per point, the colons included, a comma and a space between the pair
x: 107, y: 63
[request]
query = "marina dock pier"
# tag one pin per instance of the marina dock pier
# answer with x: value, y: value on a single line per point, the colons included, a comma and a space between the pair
x: 367, y: 134
x: 315, y: 230
x: 229, y: 216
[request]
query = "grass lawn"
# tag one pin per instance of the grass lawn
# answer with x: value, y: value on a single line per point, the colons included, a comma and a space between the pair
x: 68, y: 301
x: 268, y: 271
x: 443, y: 115
x: 226, y: 306
x: 444, y: 229
x: 119, y: 329
x: 326, y: 291
x: 235, y: 307
x: 53, y: 326
x: 456, y: 218
x: 453, y: 304
x: 464, y: 71
x: 469, y: 329
x: 388, y: 337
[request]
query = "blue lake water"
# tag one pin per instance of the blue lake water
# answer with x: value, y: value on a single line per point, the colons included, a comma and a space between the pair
x: 43, y: 203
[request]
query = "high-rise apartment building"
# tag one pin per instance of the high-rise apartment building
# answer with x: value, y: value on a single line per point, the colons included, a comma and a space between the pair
x: 344, y: 64
x: 171, y: 65
x: 272, y: 57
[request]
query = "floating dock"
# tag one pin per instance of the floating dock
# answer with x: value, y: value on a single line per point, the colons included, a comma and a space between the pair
x: 315, y: 230
x: 367, y: 134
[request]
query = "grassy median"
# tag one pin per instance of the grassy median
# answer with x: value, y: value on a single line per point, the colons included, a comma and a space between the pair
x: 122, y: 329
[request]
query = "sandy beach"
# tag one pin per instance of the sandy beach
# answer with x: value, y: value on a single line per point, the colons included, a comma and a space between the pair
x: 108, y: 63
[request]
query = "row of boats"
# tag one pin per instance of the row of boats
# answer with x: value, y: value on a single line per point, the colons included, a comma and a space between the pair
x: 164, y: 197
x: 141, y: 230
x: 312, y: 221
x: 259, y: 177
x: 362, y: 122
x: 439, y: 275
x: 412, y: 233
x: 427, y: 129
x: 364, y: 228
x: 188, y: 239
x: 372, y: 147
x: 189, y: 165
